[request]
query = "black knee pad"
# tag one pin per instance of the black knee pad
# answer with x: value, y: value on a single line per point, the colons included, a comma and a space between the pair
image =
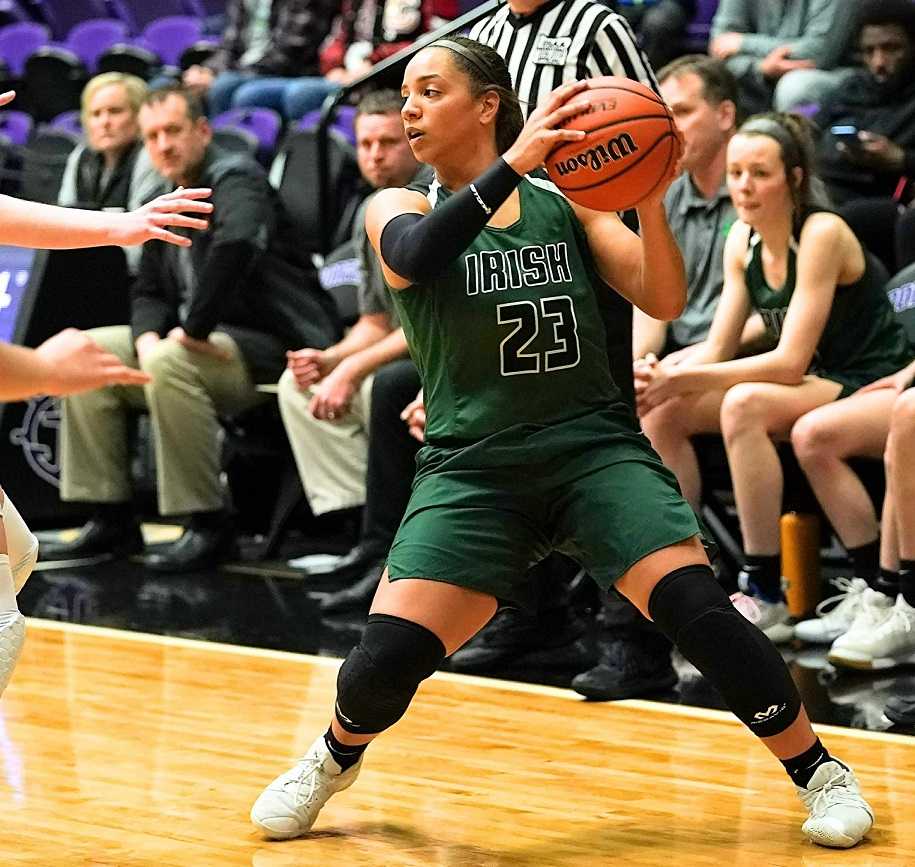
x: 379, y: 677
x: 692, y: 610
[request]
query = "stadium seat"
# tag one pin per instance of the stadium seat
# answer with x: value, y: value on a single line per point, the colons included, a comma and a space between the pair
x: 170, y: 37
x: 235, y: 139
x: 139, y: 13
x: 263, y: 123
x: 697, y: 33
x: 88, y: 40
x: 44, y: 161
x: 343, y: 121
x: 62, y: 15
x: 54, y: 79
x: 11, y: 12
x: 901, y: 292
x: 68, y: 121
x: 19, y: 41
x: 132, y: 59
x: 16, y: 126
x: 294, y: 174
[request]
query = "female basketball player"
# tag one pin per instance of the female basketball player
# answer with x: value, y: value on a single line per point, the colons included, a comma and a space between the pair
x: 69, y: 361
x: 822, y: 300
x: 494, y: 275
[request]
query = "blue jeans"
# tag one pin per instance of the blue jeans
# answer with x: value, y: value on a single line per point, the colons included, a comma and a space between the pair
x: 306, y: 94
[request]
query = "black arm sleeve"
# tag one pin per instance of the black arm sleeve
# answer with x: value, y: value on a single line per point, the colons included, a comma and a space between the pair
x: 420, y: 247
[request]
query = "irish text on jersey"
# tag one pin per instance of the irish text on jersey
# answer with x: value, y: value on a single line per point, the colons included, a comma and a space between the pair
x: 534, y: 265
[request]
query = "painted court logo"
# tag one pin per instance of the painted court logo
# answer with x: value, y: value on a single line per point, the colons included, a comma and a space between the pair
x: 619, y: 147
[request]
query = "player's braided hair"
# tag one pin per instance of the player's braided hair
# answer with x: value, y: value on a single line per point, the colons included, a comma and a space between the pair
x: 487, y: 71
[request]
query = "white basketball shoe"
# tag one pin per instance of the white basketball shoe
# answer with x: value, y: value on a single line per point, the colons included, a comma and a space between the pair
x: 770, y: 617
x: 839, y: 816
x: 835, y: 615
x: 288, y: 807
x: 886, y: 644
x: 12, y: 637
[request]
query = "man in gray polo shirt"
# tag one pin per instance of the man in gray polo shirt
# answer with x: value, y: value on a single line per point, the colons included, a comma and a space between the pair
x: 702, y: 95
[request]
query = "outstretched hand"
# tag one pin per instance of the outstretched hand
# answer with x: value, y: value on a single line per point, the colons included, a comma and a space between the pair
x: 77, y: 363
x: 149, y: 222
x: 544, y: 130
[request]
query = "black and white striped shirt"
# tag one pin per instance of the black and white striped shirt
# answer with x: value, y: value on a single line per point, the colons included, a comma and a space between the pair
x: 562, y: 41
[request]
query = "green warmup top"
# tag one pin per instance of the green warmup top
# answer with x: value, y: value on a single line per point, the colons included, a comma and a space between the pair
x: 510, y: 335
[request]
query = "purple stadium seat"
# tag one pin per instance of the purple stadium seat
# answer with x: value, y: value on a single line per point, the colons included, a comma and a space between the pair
x: 169, y: 37
x: 62, y: 15
x: 90, y: 39
x: 139, y: 13
x: 263, y: 123
x: 701, y: 25
x: 18, y: 41
x: 343, y: 122
x: 68, y: 121
x: 16, y: 126
x: 11, y: 12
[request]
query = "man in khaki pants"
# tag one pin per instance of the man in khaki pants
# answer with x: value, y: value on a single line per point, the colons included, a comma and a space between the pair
x: 324, y: 394
x: 207, y: 324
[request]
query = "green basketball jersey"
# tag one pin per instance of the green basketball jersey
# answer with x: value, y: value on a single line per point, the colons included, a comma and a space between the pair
x: 861, y: 333
x: 510, y: 334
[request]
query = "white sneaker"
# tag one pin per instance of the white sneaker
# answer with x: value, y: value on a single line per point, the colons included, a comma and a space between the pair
x: 12, y: 637
x: 770, y: 617
x: 834, y: 615
x: 889, y: 643
x: 289, y: 806
x: 839, y: 816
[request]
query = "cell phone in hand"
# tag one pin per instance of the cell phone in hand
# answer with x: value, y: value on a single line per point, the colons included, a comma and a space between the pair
x: 847, y: 134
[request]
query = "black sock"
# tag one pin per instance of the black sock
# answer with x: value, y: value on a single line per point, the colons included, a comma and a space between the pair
x: 764, y: 572
x: 208, y: 520
x: 345, y: 755
x: 865, y: 561
x: 801, y: 768
x: 887, y: 583
x: 907, y: 581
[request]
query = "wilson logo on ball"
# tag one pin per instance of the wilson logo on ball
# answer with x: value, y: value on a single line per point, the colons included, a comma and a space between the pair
x: 617, y: 148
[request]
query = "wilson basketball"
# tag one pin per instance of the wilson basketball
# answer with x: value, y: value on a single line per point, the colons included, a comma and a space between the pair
x: 629, y: 149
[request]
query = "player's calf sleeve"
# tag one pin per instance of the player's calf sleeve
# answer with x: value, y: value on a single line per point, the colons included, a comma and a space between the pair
x: 381, y: 674
x: 21, y: 544
x: 691, y: 608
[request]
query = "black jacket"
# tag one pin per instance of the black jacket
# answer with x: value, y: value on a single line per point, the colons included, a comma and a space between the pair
x: 232, y: 279
x: 887, y: 109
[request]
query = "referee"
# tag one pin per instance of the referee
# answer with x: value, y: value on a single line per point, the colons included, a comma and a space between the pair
x: 546, y: 43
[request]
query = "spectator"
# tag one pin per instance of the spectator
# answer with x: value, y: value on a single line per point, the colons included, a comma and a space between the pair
x: 784, y: 52
x: 866, y: 151
x: 660, y: 24
x: 824, y: 441
x: 325, y: 394
x: 112, y: 170
x: 822, y: 299
x: 206, y: 325
x: 266, y: 47
x: 364, y: 33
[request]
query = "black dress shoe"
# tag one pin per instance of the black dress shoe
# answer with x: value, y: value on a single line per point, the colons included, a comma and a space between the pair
x: 633, y: 663
x: 197, y: 549
x: 354, y: 564
x: 356, y: 598
x: 98, y: 539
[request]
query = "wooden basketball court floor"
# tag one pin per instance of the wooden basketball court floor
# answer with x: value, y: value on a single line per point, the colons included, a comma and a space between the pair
x: 120, y: 748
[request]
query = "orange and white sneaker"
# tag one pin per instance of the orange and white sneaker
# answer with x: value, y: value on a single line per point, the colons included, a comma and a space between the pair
x: 288, y: 807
